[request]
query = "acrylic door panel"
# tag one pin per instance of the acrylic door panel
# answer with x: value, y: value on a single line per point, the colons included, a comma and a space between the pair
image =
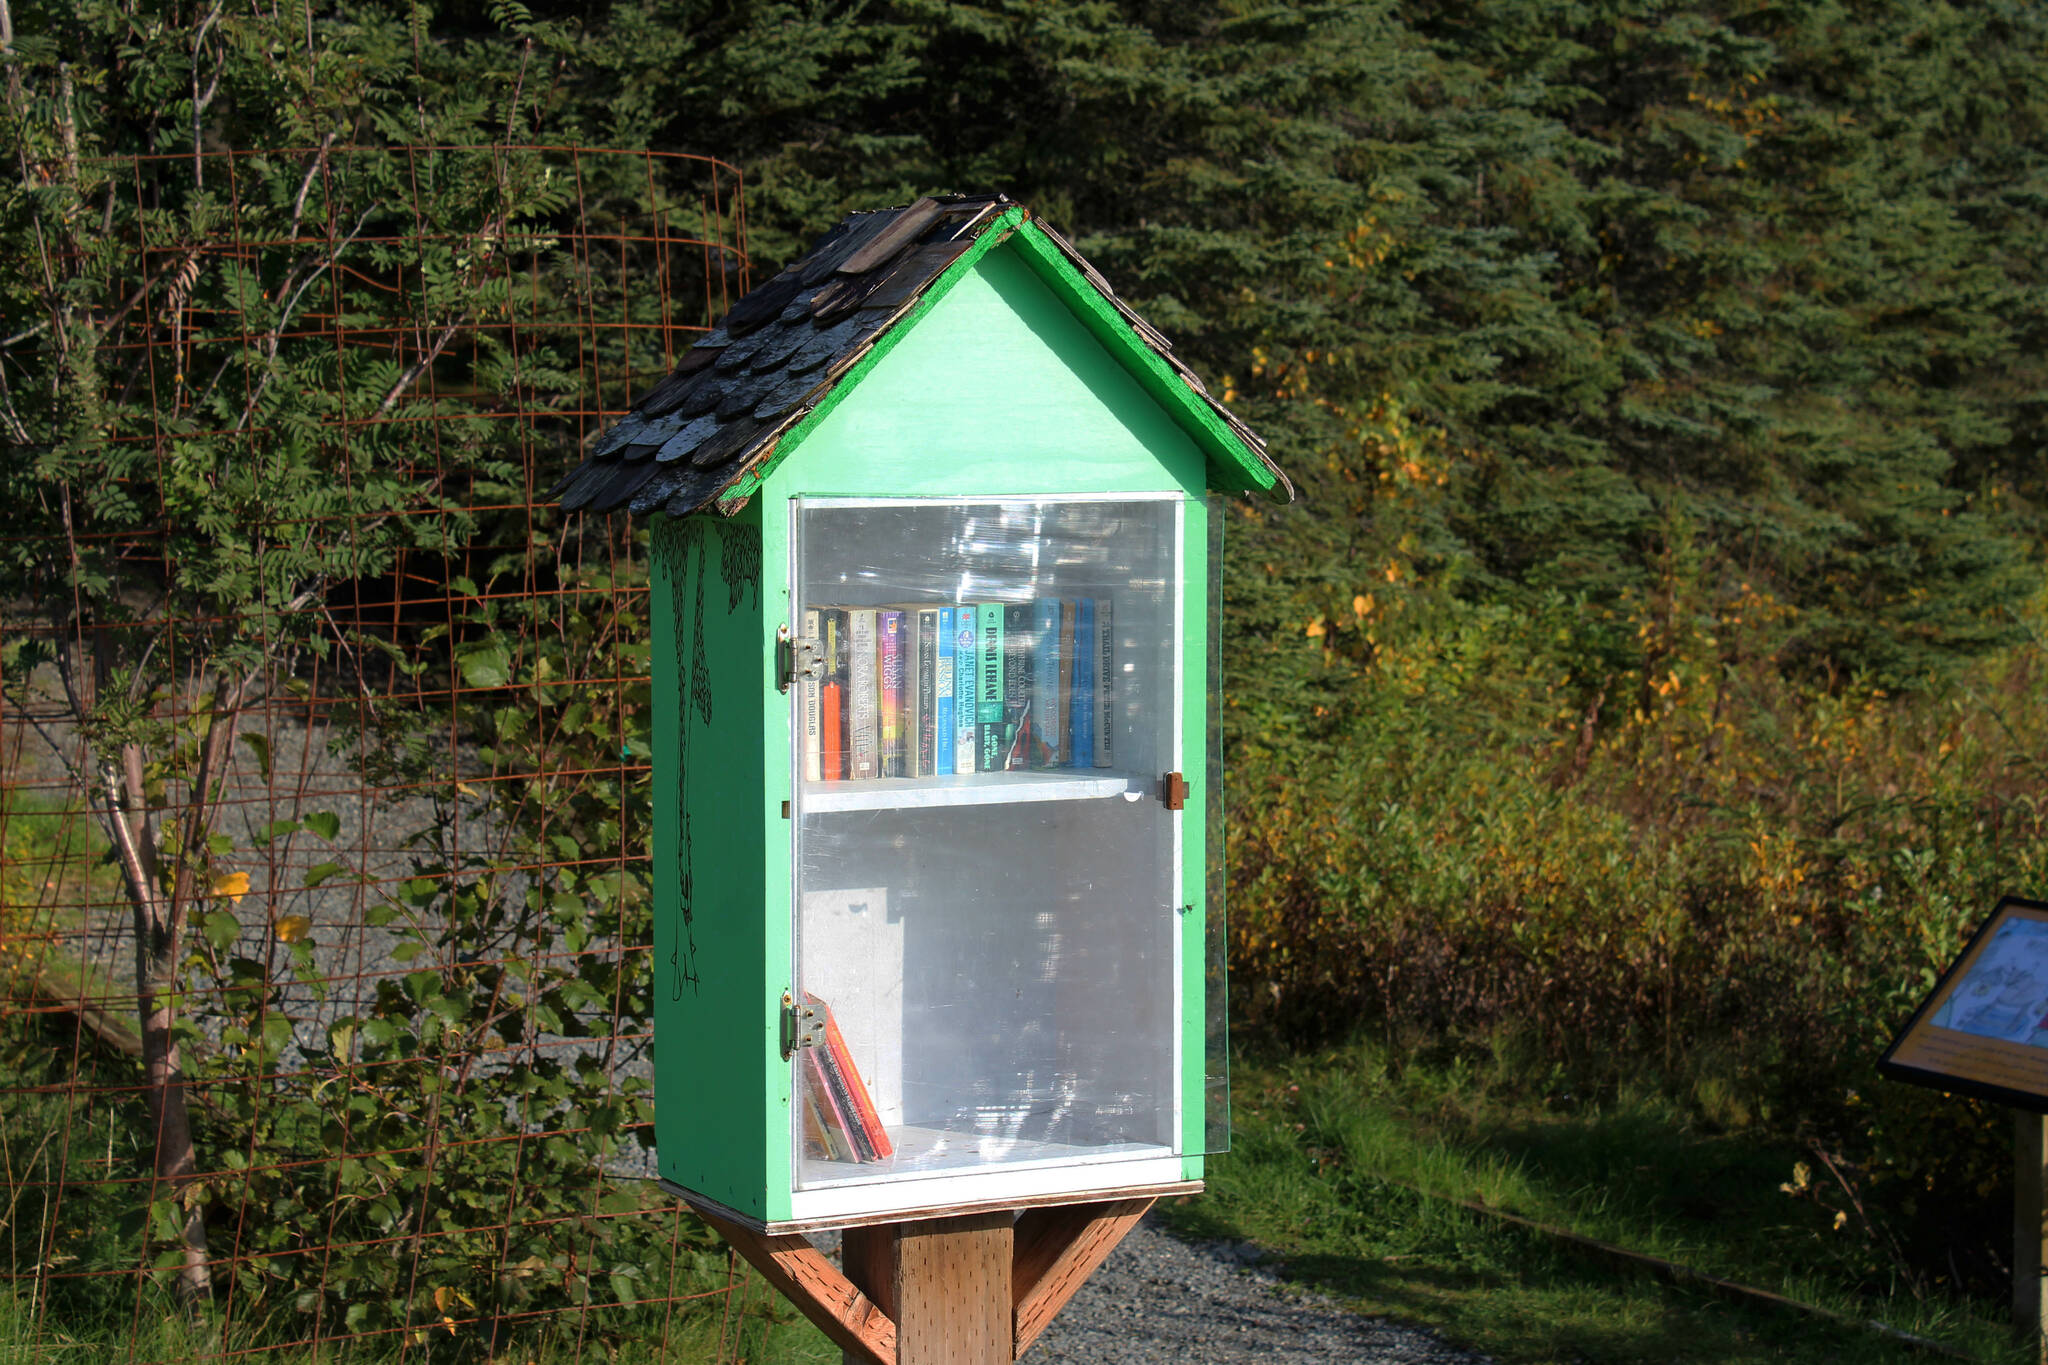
x: 997, y: 950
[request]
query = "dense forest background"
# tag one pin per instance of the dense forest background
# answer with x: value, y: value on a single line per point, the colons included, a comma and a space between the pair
x: 1648, y: 682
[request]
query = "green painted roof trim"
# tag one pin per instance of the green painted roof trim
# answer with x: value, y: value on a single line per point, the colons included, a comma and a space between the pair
x: 1244, y: 471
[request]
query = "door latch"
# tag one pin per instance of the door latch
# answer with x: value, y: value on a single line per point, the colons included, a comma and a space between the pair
x: 1173, y: 791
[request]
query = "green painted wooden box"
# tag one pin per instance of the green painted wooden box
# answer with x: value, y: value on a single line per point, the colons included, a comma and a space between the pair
x: 932, y: 577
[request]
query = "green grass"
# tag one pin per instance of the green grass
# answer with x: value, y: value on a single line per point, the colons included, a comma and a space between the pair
x: 1351, y: 1170
x: 52, y: 866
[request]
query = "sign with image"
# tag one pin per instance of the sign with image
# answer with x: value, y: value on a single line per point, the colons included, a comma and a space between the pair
x: 1984, y: 1029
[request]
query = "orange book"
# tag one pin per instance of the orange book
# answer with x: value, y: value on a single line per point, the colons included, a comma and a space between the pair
x: 833, y: 766
x: 841, y: 1059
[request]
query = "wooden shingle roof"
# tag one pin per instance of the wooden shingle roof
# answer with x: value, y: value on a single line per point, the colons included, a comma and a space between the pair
x: 705, y: 433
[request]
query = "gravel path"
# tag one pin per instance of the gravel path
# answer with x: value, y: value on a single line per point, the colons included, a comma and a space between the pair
x: 1160, y: 1301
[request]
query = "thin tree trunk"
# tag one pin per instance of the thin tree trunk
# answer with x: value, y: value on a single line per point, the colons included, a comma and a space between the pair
x: 156, y: 959
x: 159, y: 925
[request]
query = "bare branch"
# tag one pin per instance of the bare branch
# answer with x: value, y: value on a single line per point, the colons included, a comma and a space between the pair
x: 419, y: 367
x: 275, y: 337
x: 313, y: 166
x: 199, y: 102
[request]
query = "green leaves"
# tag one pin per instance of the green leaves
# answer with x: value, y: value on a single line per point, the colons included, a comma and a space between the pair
x: 484, y: 663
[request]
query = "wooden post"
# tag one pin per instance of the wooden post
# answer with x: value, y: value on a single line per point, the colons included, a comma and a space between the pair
x: 2029, y: 1227
x: 969, y: 1289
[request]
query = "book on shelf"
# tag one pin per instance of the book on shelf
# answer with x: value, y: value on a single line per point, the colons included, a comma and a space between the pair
x: 965, y: 679
x: 924, y: 689
x: 1081, y: 699
x: 1045, y: 683
x: 813, y: 695
x: 989, y: 689
x: 1105, y: 685
x: 890, y: 675
x: 839, y: 1059
x: 1017, y: 680
x: 832, y: 648
x: 864, y: 734
x: 849, y: 1126
x: 842, y: 1132
x: 1062, y: 706
x: 819, y: 1139
x: 942, y: 710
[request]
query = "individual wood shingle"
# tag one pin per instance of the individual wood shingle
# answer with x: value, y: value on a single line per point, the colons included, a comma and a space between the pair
x: 729, y: 441
x: 788, y: 342
x: 623, y: 434
x: 799, y: 307
x: 843, y: 296
x: 918, y: 268
x: 656, y: 430
x: 573, y: 489
x: 860, y: 229
x: 665, y: 396
x: 759, y: 308
x: 740, y: 352
x: 685, y: 442
x: 617, y: 483
x: 699, y: 488
x: 901, y: 231
x: 746, y: 390
x: 785, y: 396
x: 710, y: 390
x: 657, y: 490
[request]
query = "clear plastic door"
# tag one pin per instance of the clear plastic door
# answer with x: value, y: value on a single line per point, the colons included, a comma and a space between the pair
x: 987, y: 879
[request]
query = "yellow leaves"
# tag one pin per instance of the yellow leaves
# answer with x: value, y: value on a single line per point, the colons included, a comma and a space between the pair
x: 1362, y: 605
x: 292, y: 928
x: 232, y: 885
x: 1315, y: 629
x: 446, y: 1300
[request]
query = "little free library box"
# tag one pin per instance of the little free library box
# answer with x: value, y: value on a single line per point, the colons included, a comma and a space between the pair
x: 934, y: 648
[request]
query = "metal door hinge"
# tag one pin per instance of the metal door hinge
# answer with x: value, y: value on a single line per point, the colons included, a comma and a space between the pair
x: 801, y: 1027
x: 797, y: 659
x: 1173, y: 791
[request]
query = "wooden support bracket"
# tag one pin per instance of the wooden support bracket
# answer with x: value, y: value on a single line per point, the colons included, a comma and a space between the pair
x: 804, y: 1277
x: 1058, y: 1249
x: 973, y: 1289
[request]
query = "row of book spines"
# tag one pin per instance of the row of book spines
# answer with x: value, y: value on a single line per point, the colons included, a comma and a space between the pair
x: 920, y: 691
x: 841, y: 1117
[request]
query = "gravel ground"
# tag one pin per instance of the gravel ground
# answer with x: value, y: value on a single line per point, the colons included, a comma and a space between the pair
x: 1160, y: 1301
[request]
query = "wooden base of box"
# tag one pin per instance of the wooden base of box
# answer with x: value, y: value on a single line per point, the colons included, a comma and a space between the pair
x: 711, y: 1208
x: 965, y: 1286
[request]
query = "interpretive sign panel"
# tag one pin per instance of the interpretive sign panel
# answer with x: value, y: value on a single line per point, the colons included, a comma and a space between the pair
x: 1984, y: 1029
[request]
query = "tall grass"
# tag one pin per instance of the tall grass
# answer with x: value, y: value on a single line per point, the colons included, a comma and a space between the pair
x: 1704, y: 874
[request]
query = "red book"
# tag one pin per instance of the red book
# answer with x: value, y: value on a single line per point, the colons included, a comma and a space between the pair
x: 834, y: 765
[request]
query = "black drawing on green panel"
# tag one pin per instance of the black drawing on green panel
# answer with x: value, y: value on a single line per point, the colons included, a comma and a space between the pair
x: 682, y: 546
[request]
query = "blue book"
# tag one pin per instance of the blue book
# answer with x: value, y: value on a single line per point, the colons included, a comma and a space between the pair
x: 1081, y: 726
x: 946, y: 686
x: 1047, y: 724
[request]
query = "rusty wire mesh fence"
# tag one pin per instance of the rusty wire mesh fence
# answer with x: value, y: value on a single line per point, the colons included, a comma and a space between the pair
x: 323, y: 763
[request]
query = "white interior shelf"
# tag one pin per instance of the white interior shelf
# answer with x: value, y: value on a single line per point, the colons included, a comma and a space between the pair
x: 970, y: 789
